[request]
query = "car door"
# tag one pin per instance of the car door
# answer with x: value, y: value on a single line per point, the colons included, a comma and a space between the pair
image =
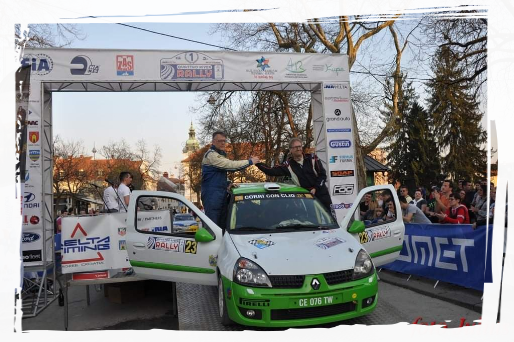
x: 382, y: 239
x: 159, y: 251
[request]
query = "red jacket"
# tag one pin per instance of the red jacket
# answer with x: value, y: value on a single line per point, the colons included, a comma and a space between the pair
x: 457, y: 215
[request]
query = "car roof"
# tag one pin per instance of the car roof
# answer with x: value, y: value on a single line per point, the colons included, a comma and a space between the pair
x: 259, y: 188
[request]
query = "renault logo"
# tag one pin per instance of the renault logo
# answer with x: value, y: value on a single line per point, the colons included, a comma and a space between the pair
x: 315, y: 284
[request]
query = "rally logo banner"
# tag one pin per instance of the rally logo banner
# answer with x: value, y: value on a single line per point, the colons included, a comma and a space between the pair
x: 504, y: 241
x: 455, y: 254
x: 14, y: 95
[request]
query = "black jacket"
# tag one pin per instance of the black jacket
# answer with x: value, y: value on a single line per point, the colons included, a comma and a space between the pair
x: 311, y: 175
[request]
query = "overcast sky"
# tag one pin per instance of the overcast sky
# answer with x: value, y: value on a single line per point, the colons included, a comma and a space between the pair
x: 163, y: 118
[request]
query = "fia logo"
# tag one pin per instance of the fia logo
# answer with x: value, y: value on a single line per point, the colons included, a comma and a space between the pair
x: 40, y: 64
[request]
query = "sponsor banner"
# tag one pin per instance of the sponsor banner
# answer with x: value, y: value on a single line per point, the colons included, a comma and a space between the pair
x: 154, y: 221
x: 92, y: 243
x: 165, y: 65
x: 32, y: 246
x: 340, y: 145
x: 504, y: 242
x: 14, y: 96
x: 456, y: 255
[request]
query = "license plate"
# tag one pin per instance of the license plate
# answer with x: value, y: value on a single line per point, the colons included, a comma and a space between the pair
x: 315, y: 301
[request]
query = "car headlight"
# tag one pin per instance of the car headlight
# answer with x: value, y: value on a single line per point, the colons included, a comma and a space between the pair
x: 363, y: 265
x: 249, y: 273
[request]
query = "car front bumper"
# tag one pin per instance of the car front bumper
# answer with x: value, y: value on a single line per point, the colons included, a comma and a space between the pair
x: 270, y: 307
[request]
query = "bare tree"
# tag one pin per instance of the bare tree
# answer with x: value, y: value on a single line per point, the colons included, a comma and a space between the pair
x: 72, y: 172
x: 29, y: 23
x: 481, y: 34
x: 142, y: 162
x: 346, y: 35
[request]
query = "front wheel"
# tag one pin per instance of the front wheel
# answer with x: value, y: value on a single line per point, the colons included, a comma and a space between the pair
x: 222, y: 305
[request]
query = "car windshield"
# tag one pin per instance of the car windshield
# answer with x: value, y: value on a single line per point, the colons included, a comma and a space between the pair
x: 184, y: 218
x: 278, y: 213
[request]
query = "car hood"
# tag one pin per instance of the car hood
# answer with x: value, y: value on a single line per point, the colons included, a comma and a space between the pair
x: 299, y: 253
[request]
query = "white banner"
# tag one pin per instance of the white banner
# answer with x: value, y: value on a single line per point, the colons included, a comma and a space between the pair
x: 341, y: 171
x: 94, y: 243
x: 504, y: 241
x: 138, y: 65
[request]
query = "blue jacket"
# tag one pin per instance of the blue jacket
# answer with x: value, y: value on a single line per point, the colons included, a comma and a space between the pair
x: 215, y: 166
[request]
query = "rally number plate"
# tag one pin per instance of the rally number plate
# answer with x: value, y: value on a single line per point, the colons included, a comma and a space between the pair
x: 315, y: 301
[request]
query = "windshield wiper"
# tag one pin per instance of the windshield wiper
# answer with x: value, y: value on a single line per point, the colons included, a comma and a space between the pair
x: 299, y: 226
x: 248, y: 228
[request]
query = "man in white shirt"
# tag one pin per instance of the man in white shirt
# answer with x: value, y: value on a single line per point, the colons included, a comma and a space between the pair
x: 124, y: 191
x: 111, y: 199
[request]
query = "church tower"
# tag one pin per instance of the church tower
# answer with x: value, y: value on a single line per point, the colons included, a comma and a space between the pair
x: 191, y: 144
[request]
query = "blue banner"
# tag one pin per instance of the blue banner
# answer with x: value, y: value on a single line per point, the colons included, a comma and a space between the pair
x: 454, y: 254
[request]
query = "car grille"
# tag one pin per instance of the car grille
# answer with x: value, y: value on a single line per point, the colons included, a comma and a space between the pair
x: 338, y: 277
x: 287, y: 281
x: 316, y: 312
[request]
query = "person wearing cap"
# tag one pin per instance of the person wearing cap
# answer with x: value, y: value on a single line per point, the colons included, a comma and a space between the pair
x: 506, y: 219
x: 501, y: 204
x: 456, y: 213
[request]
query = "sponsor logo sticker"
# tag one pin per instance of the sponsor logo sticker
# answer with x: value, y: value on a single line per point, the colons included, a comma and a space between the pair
x: 82, y: 65
x: 261, y: 243
x: 29, y: 237
x: 341, y: 159
x: 125, y: 65
x: 338, y: 206
x: 213, y: 260
x: 191, y: 65
x: 122, y: 231
x: 40, y: 64
x: 329, y: 242
x: 345, y: 143
x: 342, y: 189
x: 342, y: 173
x: 336, y: 85
x: 34, y: 219
x: 33, y: 137
x: 171, y: 245
x: 34, y: 155
x: 339, y: 130
x: 122, y: 245
x: 374, y: 234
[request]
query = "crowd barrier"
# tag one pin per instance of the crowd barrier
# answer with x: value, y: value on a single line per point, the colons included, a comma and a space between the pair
x: 455, y: 254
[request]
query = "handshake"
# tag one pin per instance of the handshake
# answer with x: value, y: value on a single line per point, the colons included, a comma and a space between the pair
x: 255, y: 160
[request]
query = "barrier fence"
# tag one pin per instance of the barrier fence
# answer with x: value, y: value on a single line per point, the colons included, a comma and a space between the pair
x: 455, y: 254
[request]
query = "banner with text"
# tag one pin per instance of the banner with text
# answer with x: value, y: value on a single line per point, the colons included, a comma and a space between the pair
x: 94, y: 243
x: 14, y: 95
x: 454, y: 254
x: 504, y: 241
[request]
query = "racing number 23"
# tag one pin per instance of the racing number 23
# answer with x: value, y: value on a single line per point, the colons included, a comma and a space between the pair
x: 363, y: 237
x: 190, y: 247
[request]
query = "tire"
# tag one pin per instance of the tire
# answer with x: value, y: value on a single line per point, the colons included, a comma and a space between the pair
x: 222, y: 305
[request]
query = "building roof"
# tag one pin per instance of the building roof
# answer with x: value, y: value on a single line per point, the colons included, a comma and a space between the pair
x: 374, y: 165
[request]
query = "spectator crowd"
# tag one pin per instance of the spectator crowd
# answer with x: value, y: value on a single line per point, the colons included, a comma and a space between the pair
x: 464, y: 203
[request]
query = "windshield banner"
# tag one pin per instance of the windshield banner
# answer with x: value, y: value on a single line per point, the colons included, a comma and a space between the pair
x: 504, y: 238
x: 14, y: 96
x: 455, y: 254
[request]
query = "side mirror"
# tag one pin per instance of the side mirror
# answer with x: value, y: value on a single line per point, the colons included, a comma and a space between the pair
x: 203, y: 235
x: 356, y: 227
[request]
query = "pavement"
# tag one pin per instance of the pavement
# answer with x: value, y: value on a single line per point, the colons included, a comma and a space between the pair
x: 458, y: 295
x: 137, y: 311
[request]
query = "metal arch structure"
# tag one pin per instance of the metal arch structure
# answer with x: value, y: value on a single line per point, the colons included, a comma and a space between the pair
x: 326, y: 77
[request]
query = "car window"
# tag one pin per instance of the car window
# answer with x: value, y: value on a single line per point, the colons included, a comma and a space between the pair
x: 375, y: 208
x: 164, y: 216
x: 278, y: 212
